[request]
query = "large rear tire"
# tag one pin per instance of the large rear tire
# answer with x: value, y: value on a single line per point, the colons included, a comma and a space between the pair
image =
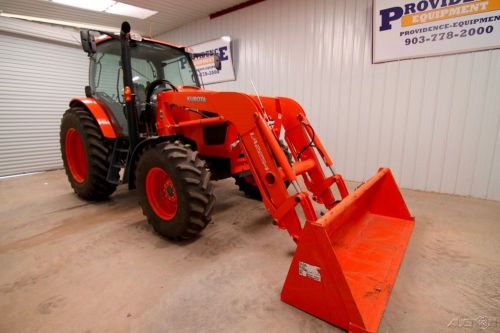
x: 175, y: 191
x: 85, y: 155
x: 247, y: 185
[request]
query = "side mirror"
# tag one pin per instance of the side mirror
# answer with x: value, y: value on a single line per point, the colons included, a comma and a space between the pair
x: 88, y: 41
x: 217, y: 63
x: 88, y: 91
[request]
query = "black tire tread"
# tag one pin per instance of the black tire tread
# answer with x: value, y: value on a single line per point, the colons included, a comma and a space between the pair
x: 250, y: 190
x: 192, y: 174
x: 95, y: 187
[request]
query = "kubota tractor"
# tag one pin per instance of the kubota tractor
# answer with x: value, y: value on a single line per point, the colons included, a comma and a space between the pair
x: 146, y: 121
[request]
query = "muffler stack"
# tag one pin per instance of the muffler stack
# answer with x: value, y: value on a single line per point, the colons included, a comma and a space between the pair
x: 347, y: 261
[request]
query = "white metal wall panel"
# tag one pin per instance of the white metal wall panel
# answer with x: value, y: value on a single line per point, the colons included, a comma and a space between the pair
x: 38, y: 30
x: 37, y: 80
x: 434, y: 121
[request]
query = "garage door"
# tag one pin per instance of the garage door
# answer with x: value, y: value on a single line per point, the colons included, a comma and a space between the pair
x: 37, y: 80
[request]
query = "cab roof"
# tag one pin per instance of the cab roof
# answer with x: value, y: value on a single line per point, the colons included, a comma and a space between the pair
x: 104, y: 38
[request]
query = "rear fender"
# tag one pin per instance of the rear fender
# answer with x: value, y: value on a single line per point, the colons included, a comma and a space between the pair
x: 99, y: 113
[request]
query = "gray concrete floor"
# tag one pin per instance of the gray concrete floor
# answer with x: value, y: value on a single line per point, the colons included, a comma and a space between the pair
x: 71, y: 266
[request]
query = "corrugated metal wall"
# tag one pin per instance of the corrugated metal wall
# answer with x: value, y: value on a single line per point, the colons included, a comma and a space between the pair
x: 37, y: 80
x: 434, y: 121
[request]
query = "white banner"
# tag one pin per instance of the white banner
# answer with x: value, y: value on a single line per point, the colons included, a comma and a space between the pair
x: 415, y: 29
x: 204, y: 63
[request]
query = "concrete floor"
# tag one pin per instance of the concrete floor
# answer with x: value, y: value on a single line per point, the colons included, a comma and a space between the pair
x: 71, y: 266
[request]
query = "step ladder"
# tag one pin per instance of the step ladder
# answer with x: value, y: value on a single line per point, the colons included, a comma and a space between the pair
x: 118, y: 160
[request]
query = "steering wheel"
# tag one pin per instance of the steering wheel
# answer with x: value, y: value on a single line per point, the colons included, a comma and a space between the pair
x: 153, y: 85
x: 150, y: 90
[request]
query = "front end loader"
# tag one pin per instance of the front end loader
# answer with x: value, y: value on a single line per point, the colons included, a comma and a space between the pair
x: 146, y: 122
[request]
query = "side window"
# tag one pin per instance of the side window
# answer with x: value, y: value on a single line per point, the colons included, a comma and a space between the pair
x: 108, y: 77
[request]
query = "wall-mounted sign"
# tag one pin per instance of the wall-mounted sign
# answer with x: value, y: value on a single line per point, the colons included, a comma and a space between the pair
x: 404, y: 29
x: 204, y: 63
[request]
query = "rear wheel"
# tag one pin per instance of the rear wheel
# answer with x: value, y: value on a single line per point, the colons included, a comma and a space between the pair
x: 247, y: 185
x: 175, y: 191
x: 85, y: 155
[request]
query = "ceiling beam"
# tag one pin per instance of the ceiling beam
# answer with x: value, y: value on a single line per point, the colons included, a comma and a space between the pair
x: 234, y: 8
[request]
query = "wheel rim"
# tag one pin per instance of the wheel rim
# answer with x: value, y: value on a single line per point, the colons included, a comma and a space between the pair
x: 161, y: 194
x: 75, y: 155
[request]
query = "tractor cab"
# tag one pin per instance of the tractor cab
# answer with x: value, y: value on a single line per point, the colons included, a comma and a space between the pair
x: 153, y: 64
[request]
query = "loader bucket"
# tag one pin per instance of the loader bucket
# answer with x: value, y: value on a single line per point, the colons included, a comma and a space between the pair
x: 347, y: 261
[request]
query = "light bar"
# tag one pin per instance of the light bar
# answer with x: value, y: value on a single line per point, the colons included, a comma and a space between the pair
x: 78, y: 25
x: 124, y: 9
x: 95, y: 5
x: 110, y: 7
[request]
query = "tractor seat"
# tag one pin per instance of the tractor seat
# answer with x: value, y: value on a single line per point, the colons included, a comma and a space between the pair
x: 140, y: 95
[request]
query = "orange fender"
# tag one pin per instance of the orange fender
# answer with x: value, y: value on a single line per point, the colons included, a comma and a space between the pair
x: 99, y: 113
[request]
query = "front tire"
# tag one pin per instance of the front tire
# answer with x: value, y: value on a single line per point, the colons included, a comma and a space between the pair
x: 85, y: 155
x: 175, y: 191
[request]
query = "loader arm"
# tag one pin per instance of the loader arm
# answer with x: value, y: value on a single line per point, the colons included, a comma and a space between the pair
x: 268, y: 163
x: 346, y: 261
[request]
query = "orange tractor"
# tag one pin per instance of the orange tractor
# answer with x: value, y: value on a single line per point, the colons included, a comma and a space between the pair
x: 147, y: 122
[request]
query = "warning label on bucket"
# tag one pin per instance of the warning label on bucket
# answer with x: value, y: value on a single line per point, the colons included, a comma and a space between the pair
x: 309, y: 271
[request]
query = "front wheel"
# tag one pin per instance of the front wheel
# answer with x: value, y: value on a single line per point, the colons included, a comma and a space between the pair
x: 175, y: 191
